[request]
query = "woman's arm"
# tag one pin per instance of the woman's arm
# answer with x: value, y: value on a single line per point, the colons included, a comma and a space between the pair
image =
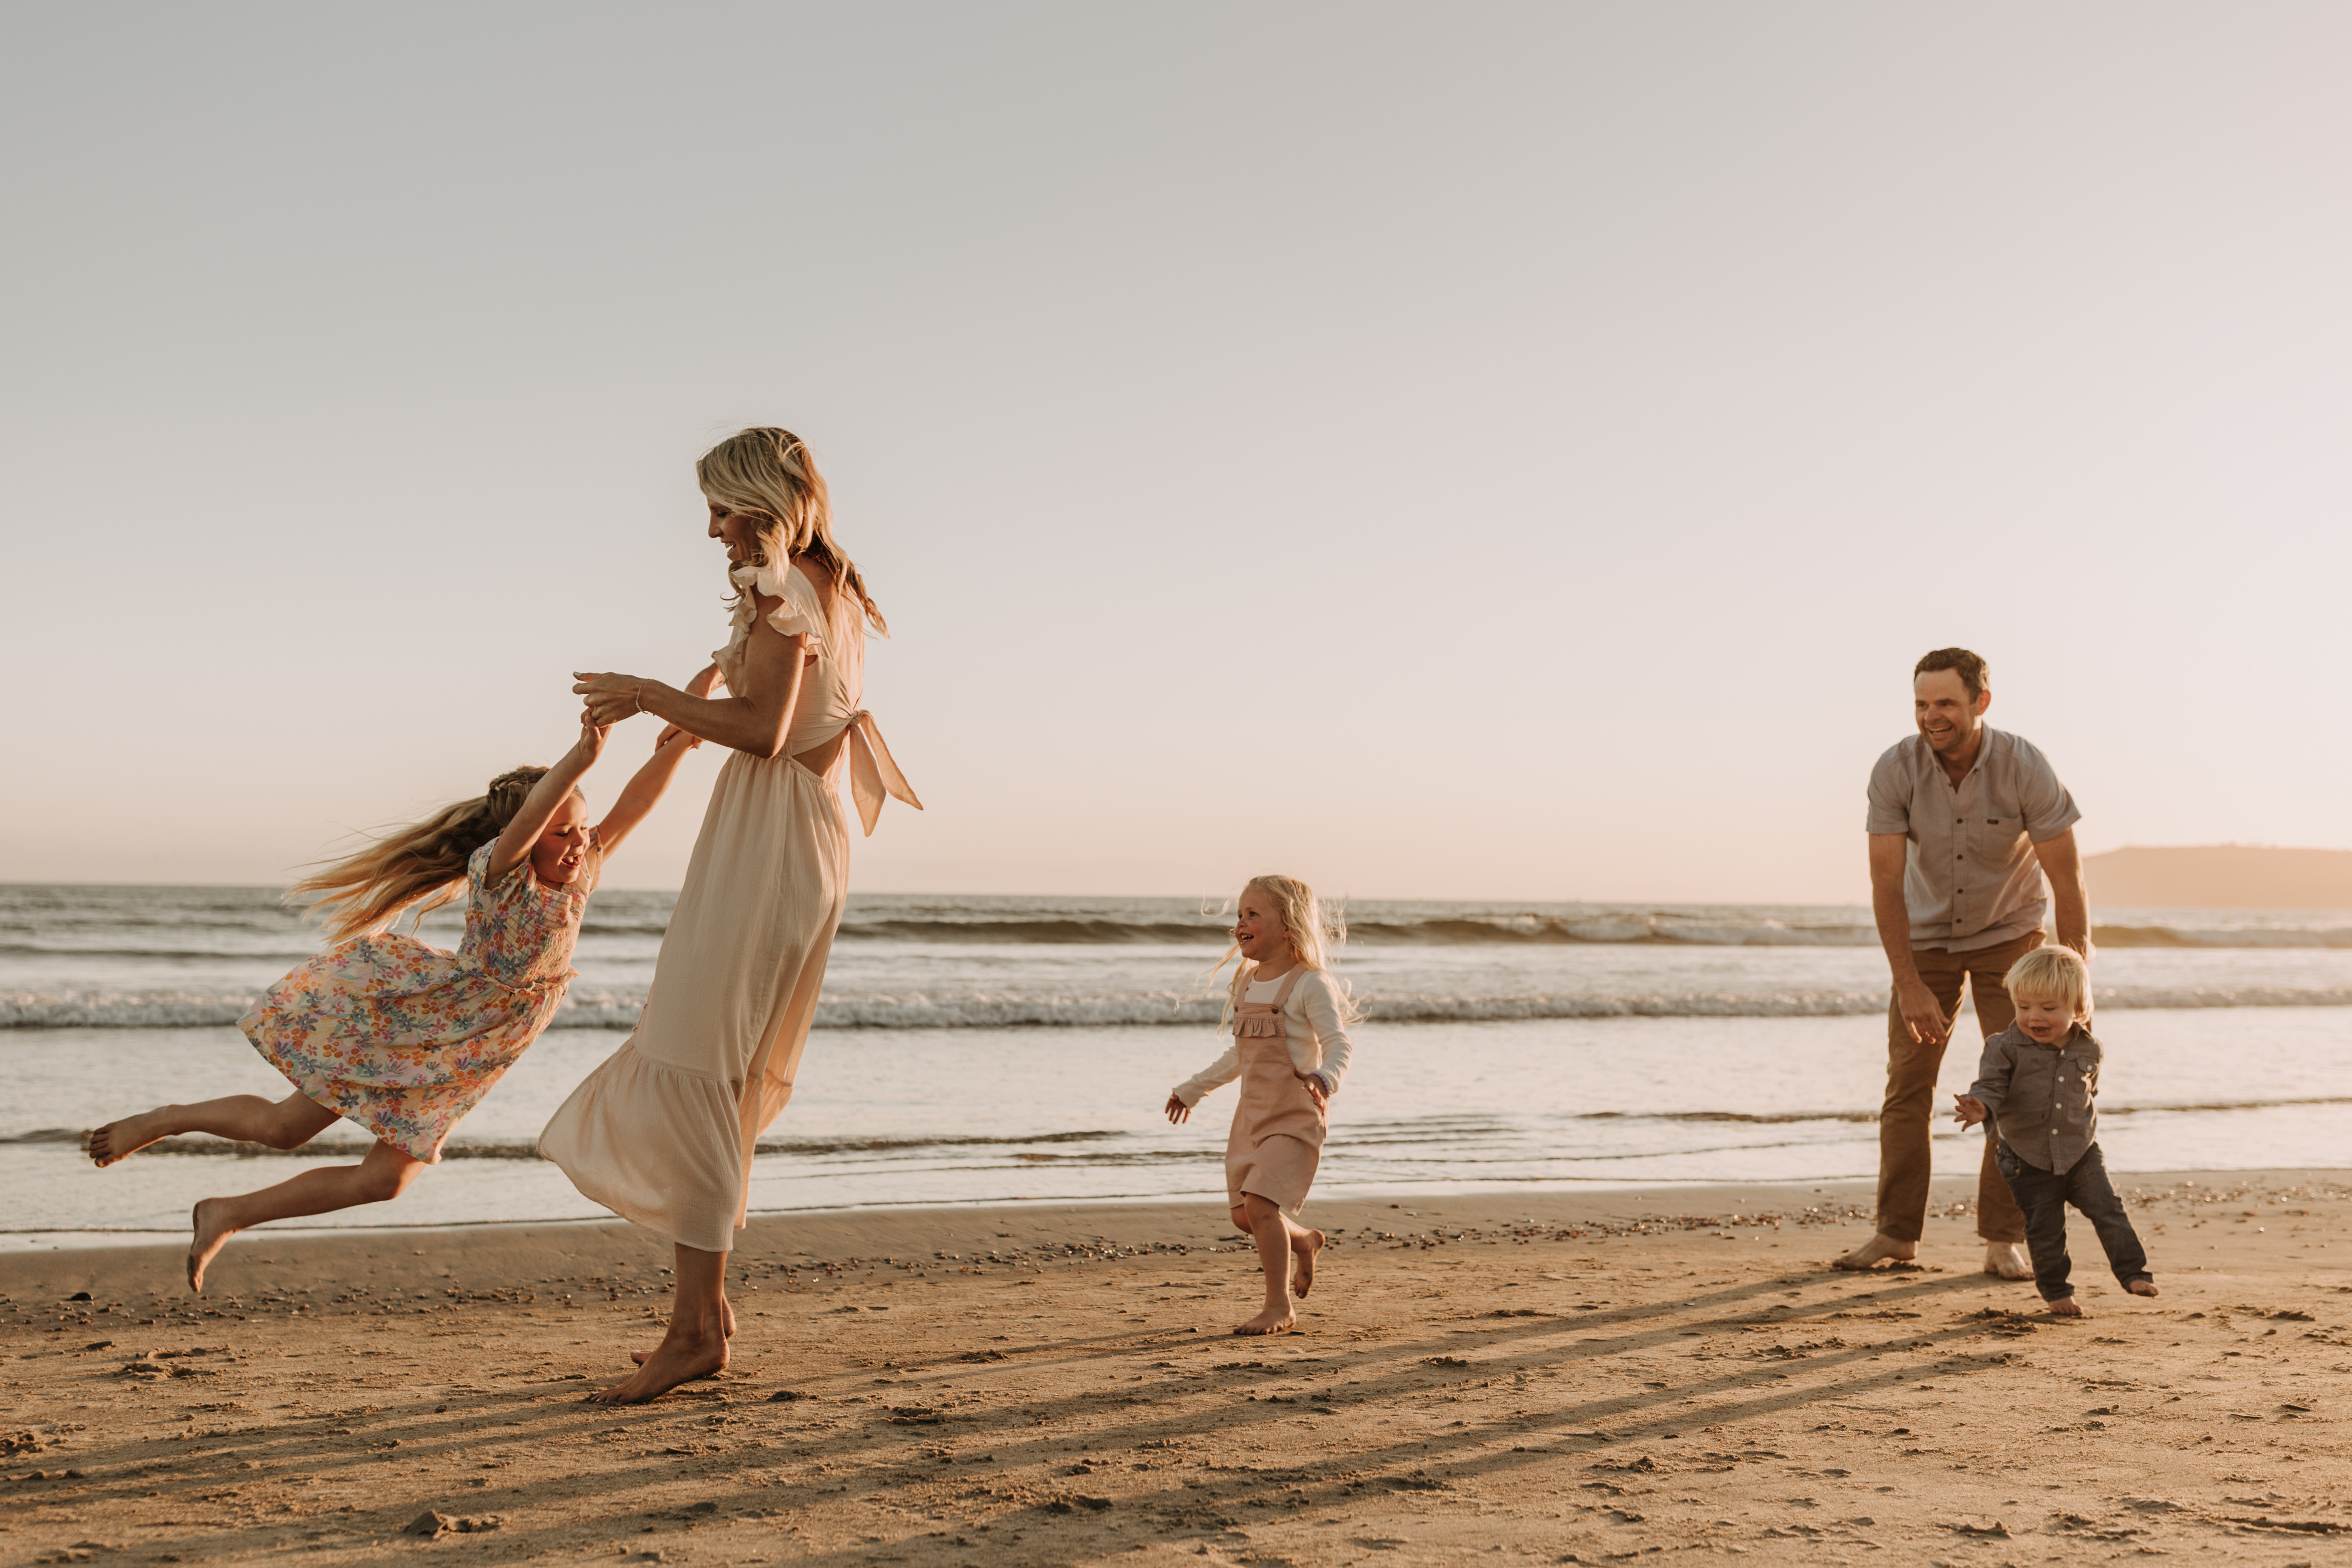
x: 756, y: 723
x: 644, y: 791
x: 704, y: 683
x: 545, y: 799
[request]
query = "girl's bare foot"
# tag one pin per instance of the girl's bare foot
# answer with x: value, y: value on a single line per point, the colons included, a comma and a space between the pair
x: 210, y: 1219
x: 640, y: 1357
x: 679, y: 1358
x: 1879, y: 1248
x: 2007, y: 1259
x: 2142, y: 1287
x: 120, y: 1140
x: 1302, y: 1248
x: 2066, y: 1307
x: 1272, y: 1320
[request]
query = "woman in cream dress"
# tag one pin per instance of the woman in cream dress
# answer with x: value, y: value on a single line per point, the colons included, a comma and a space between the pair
x: 663, y: 1133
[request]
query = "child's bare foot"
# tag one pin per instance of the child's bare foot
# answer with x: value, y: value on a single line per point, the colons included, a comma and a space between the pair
x: 1272, y: 1320
x: 2007, y: 1259
x: 1303, y: 1250
x: 1879, y: 1248
x: 729, y: 1308
x: 2142, y: 1287
x: 679, y: 1358
x: 2066, y: 1307
x: 120, y: 1140
x: 212, y: 1230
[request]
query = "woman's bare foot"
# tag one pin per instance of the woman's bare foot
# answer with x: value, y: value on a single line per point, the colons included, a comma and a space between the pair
x: 120, y: 1140
x: 1272, y: 1320
x: 2142, y: 1288
x: 1880, y: 1248
x: 679, y: 1358
x: 2066, y: 1307
x: 1302, y: 1248
x: 213, y: 1231
x: 2007, y: 1259
x: 729, y: 1307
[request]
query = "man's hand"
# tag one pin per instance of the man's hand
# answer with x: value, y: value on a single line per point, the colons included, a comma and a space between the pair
x: 1178, y: 1110
x: 1921, y: 1013
x: 1967, y: 1109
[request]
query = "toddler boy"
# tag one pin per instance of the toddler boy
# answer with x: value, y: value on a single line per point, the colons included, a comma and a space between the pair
x: 2038, y: 1084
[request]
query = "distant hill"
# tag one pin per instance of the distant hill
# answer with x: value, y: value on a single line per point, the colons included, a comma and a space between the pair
x: 2222, y: 875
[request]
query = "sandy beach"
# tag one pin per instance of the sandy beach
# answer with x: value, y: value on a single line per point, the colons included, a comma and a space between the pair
x: 1567, y: 1377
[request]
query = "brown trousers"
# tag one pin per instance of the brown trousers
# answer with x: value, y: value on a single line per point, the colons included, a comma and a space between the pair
x: 1905, y: 1160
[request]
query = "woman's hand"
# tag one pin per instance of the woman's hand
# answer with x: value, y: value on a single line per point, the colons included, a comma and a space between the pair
x: 1177, y: 1109
x: 1313, y: 1083
x: 610, y: 698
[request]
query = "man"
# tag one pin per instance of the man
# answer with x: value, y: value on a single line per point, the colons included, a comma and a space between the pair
x: 1964, y: 821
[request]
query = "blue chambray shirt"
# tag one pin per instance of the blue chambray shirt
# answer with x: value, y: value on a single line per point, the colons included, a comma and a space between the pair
x: 2043, y: 1098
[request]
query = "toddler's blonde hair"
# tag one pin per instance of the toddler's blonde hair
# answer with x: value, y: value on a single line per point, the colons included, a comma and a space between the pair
x: 416, y: 868
x: 769, y: 472
x: 2053, y: 972
x: 1317, y: 931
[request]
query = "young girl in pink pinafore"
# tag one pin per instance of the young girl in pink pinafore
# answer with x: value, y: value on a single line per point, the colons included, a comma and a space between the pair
x: 1289, y: 1021
x: 394, y: 1034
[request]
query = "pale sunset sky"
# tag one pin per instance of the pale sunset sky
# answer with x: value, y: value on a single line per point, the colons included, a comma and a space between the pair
x: 1495, y: 451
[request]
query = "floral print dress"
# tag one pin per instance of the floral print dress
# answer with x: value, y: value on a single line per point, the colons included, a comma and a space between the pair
x: 403, y: 1037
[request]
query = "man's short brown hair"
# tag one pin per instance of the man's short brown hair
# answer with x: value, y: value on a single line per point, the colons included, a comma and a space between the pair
x: 1960, y: 662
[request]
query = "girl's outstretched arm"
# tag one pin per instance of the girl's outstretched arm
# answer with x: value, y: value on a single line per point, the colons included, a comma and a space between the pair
x: 546, y: 797
x: 641, y: 793
x: 756, y: 724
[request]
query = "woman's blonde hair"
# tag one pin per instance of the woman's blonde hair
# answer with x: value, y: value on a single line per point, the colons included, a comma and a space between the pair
x: 1317, y: 931
x: 769, y: 473
x: 2053, y: 972
x: 414, y: 869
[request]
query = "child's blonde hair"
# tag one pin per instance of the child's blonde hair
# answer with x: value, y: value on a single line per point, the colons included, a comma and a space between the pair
x: 769, y: 472
x: 1317, y: 931
x: 419, y: 867
x: 2056, y: 972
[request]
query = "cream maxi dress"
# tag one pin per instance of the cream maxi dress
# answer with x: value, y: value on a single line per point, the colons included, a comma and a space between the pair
x: 663, y: 1133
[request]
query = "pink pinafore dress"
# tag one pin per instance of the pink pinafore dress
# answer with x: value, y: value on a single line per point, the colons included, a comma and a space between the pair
x: 1276, y: 1141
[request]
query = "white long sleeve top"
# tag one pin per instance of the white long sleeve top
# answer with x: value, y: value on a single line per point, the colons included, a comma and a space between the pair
x: 1311, y: 1026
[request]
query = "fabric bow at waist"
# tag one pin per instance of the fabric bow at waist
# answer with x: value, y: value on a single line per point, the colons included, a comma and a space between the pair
x: 873, y: 775
x: 1265, y: 1026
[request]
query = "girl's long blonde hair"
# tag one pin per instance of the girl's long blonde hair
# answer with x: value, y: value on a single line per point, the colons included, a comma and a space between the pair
x: 1317, y: 931
x: 769, y: 472
x: 414, y: 868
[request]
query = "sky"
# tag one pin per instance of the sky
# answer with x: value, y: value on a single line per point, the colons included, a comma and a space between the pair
x: 1492, y: 452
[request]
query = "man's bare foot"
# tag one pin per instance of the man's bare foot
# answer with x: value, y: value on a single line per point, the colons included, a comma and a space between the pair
x: 213, y: 1231
x: 2007, y: 1259
x: 1272, y: 1320
x: 120, y: 1140
x: 2066, y: 1307
x: 2142, y: 1287
x: 1302, y: 1257
x: 679, y: 1358
x: 1880, y: 1248
x: 639, y: 1356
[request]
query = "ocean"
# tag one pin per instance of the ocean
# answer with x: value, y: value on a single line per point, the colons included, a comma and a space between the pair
x: 1009, y: 1049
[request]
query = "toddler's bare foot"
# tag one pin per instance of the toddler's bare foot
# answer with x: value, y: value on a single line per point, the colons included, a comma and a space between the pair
x: 2007, y: 1259
x: 1303, y: 1250
x: 1272, y: 1320
x: 727, y: 1307
x: 679, y: 1358
x: 1879, y: 1248
x: 2142, y: 1287
x: 2066, y: 1307
x: 120, y: 1140
x: 212, y: 1230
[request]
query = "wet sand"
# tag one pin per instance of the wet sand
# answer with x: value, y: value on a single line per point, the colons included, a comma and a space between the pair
x: 1558, y: 1377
